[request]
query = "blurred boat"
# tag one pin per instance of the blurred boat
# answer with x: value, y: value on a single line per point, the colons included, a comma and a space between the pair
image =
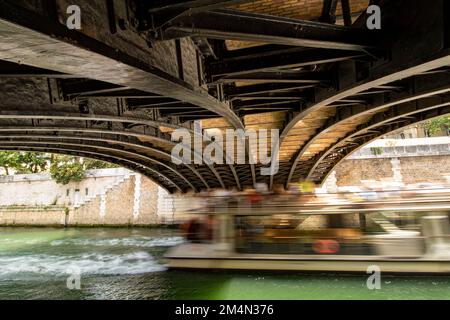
x: 400, y: 235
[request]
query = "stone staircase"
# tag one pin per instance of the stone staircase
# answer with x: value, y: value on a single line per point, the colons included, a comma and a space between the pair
x: 102, y: 193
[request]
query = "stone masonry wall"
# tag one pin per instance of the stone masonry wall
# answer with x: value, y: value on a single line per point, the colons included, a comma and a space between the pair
x: 148, y: 209
x: 437, y: 168
x: 407, y: 170
x: 352, y: 172
x: 39, y: 216
x: 132, y: 203
x: 127, y: 200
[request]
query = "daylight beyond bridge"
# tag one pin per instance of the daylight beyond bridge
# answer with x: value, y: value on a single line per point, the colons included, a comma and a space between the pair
x: 330, y: 75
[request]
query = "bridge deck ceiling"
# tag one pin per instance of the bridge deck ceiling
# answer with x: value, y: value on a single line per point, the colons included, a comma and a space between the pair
x: 138, y: 70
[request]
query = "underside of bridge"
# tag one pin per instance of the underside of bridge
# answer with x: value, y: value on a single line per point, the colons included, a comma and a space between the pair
x: 137, y: 70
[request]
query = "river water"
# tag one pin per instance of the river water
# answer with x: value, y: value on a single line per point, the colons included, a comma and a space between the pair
x: 128, y: 264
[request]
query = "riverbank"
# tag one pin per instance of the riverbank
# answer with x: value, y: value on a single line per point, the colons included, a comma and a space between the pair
x: 106, y: 197
x: 119, y: 226
x: 63, y: 217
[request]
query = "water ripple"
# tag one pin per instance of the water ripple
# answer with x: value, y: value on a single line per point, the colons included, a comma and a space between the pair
x: 88, y: 263
x: 147, y: 242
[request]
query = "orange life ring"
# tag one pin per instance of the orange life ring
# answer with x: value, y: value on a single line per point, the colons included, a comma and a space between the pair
x: 326, y: 246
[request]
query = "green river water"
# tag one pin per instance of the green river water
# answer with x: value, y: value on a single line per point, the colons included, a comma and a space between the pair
x: 128, y: 264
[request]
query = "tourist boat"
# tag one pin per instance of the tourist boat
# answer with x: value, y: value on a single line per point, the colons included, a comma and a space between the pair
x: 394, y: 235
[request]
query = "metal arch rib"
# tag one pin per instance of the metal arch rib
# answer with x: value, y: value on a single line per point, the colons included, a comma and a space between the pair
x: 367, y: 110
x: 95, y: 155
x: 442, y: 59
x: 372, y: 126
x: 112, y: 132
x: 95, y: 147
x: 73, y: 116
x: 110, y: 65
x: 440, y: 112
x: 43, y: 137
x: 49, y: 43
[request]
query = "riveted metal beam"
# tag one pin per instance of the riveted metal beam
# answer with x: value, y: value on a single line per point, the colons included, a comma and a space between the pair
x: 36, y: 146
x: 419, y: 88
x: 246, y: 61
x: 94, y: 143
x: 159, y: 5
x: 388, y: 129
x: 278, y: 77
x: 155, y: 14
x: 144, y: 137
x: 243, y: 26
x: 8, y: 114
x: 410, y: 29
x: 408, y: 109
x: 111, y: 143
x: 126, y: 164
x: 49, y: 44
x: 266, y: 88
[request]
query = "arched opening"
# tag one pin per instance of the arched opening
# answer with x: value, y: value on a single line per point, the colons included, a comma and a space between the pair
x: 79, y: 187
x: 414, y: 154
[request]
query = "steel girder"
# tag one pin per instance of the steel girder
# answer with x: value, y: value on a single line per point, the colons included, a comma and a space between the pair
x: 246, y: 61
x: 355, y: 81
x: 131, y: 149
x: 417, y: 88
x: 245, y: 26
x: 52, y: 46
x: 301, y: 81
x: 379, y: 131
x: 132, y: 165
x: 114, y: 139
x: 128, y: 134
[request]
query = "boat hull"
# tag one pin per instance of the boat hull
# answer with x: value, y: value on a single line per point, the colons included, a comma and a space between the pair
x: 345, y: 264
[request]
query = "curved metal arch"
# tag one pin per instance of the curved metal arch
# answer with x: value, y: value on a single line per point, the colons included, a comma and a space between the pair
x: 101, y: 61
x: 44, y: 137
x: 365, y: 110
x: 65, y: 144
x: 441, y: 60
x: 107, y: 64
x: 386, y: 78
x: 447, y: 109
x: 77, y: 117
x: 125, y: 163
x: 112, y: 132
x: 13, y: 114
x: 374, y: 125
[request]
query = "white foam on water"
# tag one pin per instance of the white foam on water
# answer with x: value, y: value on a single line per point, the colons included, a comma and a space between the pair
x: 145, y: 242
x: 89, y: 263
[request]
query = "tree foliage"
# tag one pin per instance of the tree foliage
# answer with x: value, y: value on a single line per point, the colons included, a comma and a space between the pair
x: 92, y: 164
x: 436, y: 125
x: 376, y: 151
x: 8, y: 161
x: 66, y: 169
x: 63, y: 168
x: 32, y: 162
